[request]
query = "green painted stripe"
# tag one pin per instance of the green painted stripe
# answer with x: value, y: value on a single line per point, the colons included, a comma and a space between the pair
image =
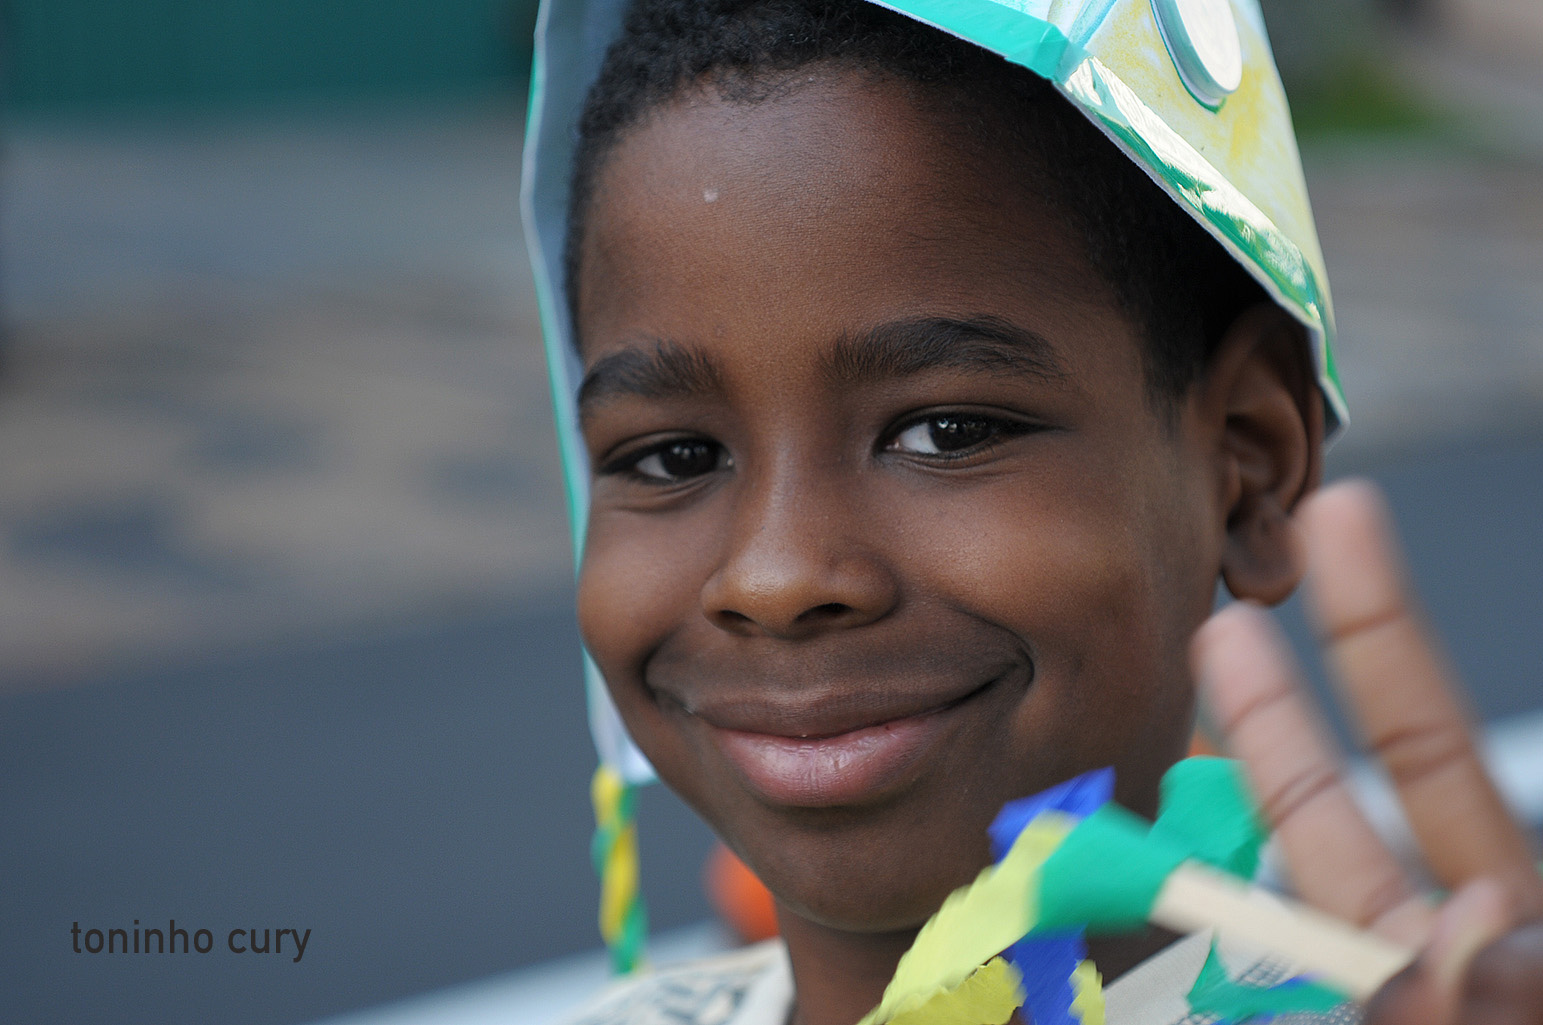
x: 1021, y: 38
x: 1232, y: 217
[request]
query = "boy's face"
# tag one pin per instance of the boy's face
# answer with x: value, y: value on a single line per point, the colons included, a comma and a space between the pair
x: 885, y: 530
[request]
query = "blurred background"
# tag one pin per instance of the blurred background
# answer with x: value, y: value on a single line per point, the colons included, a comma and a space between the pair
x: 285, y: 587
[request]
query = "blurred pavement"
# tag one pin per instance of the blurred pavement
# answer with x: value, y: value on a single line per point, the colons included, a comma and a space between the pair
x: 265, y: 380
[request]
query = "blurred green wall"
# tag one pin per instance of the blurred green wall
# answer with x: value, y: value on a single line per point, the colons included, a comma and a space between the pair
x: 91, y: 51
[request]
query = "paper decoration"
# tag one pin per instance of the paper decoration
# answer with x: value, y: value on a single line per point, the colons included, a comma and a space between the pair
x: 614, y: 850
x: 1099, y: 867
x: 975, y: 923
x: 1048, y: 966
x: 1048, y: 961
x: 1107, y: 875
x: 1206, y: 808
x: 989, y: 996
x: 1088, y: 1003
x: 1240, y: 1003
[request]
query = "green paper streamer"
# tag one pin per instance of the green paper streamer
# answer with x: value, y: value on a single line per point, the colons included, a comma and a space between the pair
x: 605, y: 834
x: 1207, y: 810
x: 1237, y: 1002
x: 627, y: 952
x: 1106, y: 875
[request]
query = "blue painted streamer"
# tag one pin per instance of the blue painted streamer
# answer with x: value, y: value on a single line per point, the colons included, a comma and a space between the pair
x: 1079, y: 796
x: 1046, y: 961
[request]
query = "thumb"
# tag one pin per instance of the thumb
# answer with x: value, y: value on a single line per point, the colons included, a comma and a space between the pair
x: 1430, y: 991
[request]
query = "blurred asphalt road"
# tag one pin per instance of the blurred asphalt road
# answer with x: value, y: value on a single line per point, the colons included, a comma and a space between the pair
x: 417, y: 800
x: 283, y: 572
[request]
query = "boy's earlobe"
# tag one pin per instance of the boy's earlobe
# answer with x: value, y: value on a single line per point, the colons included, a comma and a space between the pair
x: 1262, y: 385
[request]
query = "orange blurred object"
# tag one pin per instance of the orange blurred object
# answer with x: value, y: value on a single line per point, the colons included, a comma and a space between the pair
x: 746, y: 905
x: 741, y: 899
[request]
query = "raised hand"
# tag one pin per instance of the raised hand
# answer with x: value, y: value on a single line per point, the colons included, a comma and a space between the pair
x: 1481, y: 950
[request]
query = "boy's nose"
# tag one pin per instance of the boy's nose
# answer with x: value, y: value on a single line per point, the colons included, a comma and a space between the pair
x: 795, y: 568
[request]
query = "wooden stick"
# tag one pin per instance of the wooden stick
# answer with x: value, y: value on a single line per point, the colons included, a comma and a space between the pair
x: 1196, y: 897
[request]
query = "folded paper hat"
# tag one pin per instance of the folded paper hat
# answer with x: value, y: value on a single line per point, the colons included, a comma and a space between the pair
x: 1186, y: 88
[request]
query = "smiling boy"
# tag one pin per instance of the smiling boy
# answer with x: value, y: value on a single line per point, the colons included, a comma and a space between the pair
x: 921, y: 425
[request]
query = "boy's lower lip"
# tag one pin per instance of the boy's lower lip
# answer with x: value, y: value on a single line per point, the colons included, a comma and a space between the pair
x: 847, y: 768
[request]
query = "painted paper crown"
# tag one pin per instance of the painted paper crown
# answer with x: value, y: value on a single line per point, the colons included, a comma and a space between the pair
x: 1186, y: 88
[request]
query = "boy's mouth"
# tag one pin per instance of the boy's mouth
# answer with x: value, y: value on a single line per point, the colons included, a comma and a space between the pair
x: 850, y: 764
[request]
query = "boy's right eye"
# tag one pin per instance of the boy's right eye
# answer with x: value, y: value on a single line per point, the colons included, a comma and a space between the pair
x: 674, y: 461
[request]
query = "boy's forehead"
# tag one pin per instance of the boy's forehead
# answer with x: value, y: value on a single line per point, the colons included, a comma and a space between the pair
x: 841, y: 180
x: 828, y: 139
x: 833, y: 135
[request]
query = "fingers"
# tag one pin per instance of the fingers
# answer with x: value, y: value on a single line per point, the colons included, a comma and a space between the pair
x: 1400, y: 692
x: 1336, y: 861
x: 1398, y: 688
x: 1471, y: 971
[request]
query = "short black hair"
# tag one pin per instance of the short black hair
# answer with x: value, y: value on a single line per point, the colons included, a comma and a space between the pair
x: 1173, y: 279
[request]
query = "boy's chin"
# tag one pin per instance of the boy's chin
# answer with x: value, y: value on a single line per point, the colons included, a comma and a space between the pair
x: 846, y: 891
x: 869, y: 920
x: 866, y: 911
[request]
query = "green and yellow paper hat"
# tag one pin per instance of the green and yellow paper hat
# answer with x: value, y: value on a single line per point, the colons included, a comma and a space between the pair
x: 1186, y: 88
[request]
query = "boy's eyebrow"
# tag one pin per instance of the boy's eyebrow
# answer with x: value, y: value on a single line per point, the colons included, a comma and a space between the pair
x: 904, y: 347
x: 894, y: 349
x: 661, y: 371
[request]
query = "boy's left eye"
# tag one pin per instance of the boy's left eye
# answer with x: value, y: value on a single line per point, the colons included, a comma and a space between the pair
x: 946, y: 434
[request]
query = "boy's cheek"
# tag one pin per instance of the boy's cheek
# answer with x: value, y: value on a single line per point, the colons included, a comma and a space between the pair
x: 632, y: 585
x: 1108, y: 611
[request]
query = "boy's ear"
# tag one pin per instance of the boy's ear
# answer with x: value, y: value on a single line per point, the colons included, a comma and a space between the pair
x: 1261, y: 388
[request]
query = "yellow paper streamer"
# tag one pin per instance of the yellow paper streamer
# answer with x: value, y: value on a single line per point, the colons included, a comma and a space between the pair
x: 1088, y: 987
x: 616, y: 859
x: 975, y: 923
x: 987, y: 997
